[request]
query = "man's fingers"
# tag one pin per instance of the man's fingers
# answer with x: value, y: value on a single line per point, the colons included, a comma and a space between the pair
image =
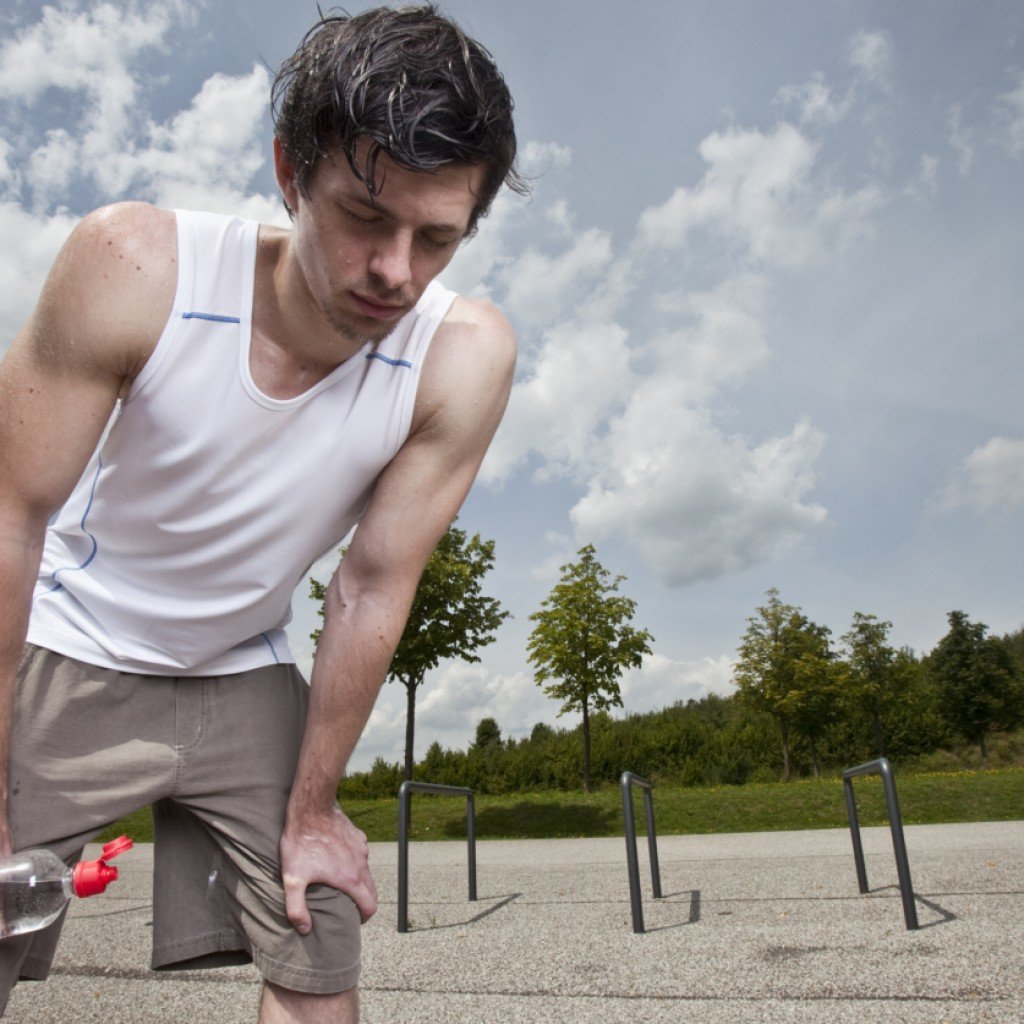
x: 365, y: 898
x: 295, y: 905
x: 362, y: 892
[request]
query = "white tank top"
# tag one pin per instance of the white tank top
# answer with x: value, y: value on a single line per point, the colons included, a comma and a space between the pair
x: 207, y: 501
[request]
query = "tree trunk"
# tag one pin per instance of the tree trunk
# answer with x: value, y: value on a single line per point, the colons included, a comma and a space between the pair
x: 815, y: 768
x: 787, y: 771
x: 410, y: 723
x: 984, y: 749
x: 879, y: 735
x: 586, y: 748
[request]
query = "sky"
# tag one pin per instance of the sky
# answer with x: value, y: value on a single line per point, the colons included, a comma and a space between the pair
x: 768, y: 293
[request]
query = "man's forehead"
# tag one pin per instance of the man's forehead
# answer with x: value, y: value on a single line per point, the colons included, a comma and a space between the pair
x: 453, y: 188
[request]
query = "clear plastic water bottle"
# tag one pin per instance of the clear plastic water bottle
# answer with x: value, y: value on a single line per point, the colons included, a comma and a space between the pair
x: 36, y: 884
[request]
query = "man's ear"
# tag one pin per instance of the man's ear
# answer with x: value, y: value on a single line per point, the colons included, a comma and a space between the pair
x: 285, y: 174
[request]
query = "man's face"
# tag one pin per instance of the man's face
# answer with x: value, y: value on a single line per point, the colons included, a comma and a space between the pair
x: 366, y: 261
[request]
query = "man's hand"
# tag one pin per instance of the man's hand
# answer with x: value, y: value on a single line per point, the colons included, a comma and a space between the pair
x: 329, y: 849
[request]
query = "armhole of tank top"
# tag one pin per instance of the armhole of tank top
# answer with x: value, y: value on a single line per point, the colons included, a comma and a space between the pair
x: 438, y: 307
x: 182, y: 295
x: 247, y: 294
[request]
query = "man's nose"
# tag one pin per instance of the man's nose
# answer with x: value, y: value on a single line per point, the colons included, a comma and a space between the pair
x: 392, y: 260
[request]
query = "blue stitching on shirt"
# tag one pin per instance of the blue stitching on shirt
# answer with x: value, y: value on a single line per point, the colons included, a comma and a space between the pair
x: 387, y: 359
x: 266, y: 640
x: 213, y: 317
x: 85, y: 515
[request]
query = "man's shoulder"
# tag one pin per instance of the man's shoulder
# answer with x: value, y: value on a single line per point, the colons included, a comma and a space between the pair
x: 121, y: 250
x: 478, y: 323
x: 113, y: 283
x: 469, y: 365
x: 130, y: 223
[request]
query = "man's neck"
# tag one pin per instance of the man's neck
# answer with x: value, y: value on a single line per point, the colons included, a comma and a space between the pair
x: 293, y: 347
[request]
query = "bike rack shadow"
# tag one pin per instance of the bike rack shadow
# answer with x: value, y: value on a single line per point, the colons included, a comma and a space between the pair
x: 692, y: 918
x: 503, y: 901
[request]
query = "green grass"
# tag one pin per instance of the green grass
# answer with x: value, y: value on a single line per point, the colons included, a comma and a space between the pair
x: 926, y: 798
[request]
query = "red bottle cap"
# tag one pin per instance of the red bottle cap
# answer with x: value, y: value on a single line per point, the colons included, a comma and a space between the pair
x: 116, y: 846
x: 93, y: 876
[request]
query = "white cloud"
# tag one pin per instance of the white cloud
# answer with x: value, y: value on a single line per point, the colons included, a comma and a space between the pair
x: 870, y: 54
x: 81, y: 51
x: 629, y: 416
x: 961, y: 139
x: 816, y: 102
x: 31, y: 243
x: 991, y: 478
x: 752, y: 195
x: 695, y: 502
x: 8, y: 175
x: 204, y: 156
x: 539, y: 157
x: 1010, y: 116
x: 539, y: 289
x: 563, y: 550
x: 89, y: 56
x: 663, y: 681
x: 927, y: 184
x: 457, y: 695
x: 52, y: 167
x: 719, y: 335
x: 483, y: 255
x: 189, y: 152
x: 97, y: 59
x: 449, y: 704
x: 580, y: 374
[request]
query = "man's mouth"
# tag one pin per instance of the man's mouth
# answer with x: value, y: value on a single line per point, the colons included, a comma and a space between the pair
x: 377, y: 310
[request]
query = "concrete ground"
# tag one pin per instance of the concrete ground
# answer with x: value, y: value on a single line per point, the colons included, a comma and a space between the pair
x: 765, y: 927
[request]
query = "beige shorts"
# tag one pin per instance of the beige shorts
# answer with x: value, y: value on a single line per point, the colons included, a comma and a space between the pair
x: 215, y: 756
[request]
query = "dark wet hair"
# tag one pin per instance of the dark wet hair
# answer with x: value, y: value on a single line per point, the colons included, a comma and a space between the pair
x: 408, y: 80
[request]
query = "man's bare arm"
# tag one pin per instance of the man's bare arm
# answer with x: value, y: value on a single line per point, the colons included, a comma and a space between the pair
x: 462, y: 395
x: 59, y: 382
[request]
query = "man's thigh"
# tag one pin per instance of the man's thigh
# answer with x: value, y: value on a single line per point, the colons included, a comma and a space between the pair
x: 88, y: 745
x: 239, y: 745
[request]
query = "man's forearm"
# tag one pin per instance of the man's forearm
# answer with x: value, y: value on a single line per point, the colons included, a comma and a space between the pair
x: 355, y: 649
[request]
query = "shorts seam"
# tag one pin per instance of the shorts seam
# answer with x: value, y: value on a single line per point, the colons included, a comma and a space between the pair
x: 307, y: 979
x: 225, y: 940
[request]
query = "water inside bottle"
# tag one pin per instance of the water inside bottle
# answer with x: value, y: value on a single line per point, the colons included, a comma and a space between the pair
x: 27, y: 905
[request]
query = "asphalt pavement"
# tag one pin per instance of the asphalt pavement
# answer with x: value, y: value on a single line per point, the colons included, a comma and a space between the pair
x: 753, y: 927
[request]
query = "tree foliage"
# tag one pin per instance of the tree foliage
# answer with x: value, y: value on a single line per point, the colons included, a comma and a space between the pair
x: 872, y: 679
x: 451, y: 617
x: 785, y: 668
x: 979, y: 687
x: 583, y: 641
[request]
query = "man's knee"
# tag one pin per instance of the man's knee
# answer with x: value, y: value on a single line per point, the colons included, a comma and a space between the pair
x: 286, y: 1006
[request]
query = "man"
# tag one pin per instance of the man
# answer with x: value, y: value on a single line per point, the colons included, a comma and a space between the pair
x: 203, y: 406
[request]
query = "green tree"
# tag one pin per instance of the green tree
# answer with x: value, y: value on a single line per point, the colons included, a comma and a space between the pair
x: 818, y: 686
x: 872, y: 674
x: 785, y: 668
x: 977, y: 682
x: 450, y: 618
x: 488, y: 735
x: 584, y: 640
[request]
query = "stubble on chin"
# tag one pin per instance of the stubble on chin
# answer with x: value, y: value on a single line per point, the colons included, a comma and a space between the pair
x: 348, y: 331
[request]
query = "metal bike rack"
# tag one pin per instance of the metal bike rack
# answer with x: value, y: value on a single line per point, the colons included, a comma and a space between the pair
x: 405, y: 792
x: 899, y: 848
x: 627, y: 781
